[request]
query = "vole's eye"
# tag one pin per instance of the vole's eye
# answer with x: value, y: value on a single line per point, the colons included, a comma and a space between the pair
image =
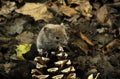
x: 57, y: 38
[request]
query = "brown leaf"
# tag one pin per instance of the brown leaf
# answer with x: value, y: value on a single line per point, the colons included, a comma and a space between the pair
x: 55, y: 9
x: 25, y: 37
x: 7, y: 8
x: 102, y: 14
x: 112, y: 46
x: 20, y: 1
x: 68, y: 11
x: 85, y: 8
x: 16, y: 27
x: 82, y: 45
x: 86, y: 39
x: 4, y: 39
x: 75, y: 2
x: 36, y: 10
x: 102, y: 39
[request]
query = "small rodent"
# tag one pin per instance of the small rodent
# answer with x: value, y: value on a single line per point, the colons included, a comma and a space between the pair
x: 51, y: 36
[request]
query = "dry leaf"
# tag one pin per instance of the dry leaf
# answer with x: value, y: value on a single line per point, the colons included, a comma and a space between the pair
x: 112, y: 46
x: 85, y: 8
x: 36, y: 10
x: 55, y: 9
x: 16, y: 27
x: 62, y: 2
x: 4, y: 39
x: 102, y: 39
x: 7, y: 8
x: 102, y: 14
x: 75, y: 2
x: 20, y: 1
x: 68, y: 11
x: 25, y: 37
x: 86, y: 39
x: 82, y: 45
x: 7, y: 67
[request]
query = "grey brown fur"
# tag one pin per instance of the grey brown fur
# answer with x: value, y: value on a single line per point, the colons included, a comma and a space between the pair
x: 51, y: 36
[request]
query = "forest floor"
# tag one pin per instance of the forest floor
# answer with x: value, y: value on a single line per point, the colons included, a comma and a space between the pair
x: 93, y: 27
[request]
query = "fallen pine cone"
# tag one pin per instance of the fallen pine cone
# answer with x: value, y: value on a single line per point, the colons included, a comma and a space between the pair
x: 54, y: 66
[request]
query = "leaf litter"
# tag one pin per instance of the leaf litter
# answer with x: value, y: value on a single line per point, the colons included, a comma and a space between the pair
x: 36, y: 10
x: 93, y: 28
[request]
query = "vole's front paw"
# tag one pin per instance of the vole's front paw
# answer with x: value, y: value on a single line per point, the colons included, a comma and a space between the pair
x: 40, y: 51
x: 60, y: 48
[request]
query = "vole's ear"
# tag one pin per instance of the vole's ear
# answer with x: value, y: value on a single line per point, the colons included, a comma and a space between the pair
x: 46, y: 29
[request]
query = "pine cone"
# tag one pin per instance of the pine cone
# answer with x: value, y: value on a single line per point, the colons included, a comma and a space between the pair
x: 55, y: 66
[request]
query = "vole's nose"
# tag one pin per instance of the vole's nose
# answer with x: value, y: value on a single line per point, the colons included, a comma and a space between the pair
x: 65, y: 42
